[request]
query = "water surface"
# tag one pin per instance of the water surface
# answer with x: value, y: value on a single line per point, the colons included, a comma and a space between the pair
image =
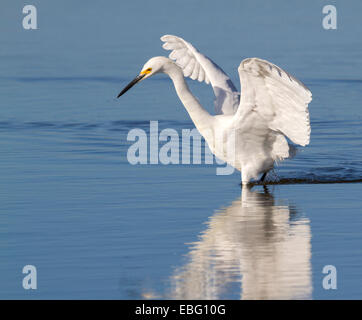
x: 97, y: 227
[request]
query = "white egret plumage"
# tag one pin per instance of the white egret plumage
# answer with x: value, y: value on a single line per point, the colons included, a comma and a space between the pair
x: 249, y: 129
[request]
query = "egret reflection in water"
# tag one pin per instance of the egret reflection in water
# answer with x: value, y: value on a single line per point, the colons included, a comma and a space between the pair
x: 258, y: 243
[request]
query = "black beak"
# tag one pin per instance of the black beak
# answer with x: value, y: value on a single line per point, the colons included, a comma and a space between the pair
x: 131, y: 84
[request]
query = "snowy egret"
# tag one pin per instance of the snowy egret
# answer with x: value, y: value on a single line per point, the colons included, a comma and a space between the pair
x: 249, y: 129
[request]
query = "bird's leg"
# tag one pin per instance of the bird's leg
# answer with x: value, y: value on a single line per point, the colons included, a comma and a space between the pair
x: 244, y: 177
x: 263, y: 176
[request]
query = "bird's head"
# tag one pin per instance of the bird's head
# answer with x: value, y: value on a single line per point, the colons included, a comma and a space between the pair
x: 151, y: 67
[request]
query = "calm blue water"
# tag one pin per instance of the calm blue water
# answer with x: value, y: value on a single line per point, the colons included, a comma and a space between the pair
x: 97, y: 227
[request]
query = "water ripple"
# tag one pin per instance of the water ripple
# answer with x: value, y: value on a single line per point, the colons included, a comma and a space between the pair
x: 118, y: 125
x: 319, y: 180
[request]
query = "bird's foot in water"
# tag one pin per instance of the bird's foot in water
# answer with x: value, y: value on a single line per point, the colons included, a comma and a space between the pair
x: 262, y: 179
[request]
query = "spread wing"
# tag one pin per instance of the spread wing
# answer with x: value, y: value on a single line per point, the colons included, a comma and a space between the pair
x: 279, y: 99
x: 199, y: 67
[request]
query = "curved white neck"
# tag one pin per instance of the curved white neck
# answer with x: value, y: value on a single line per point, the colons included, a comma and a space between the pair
x: 198, y: 114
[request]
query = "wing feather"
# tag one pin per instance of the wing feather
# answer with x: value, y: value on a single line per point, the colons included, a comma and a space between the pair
x: 201, y: 76
x: 189, y: 68
x: 195, y: 72
x: 278, y: 97
x: 199, y: 67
